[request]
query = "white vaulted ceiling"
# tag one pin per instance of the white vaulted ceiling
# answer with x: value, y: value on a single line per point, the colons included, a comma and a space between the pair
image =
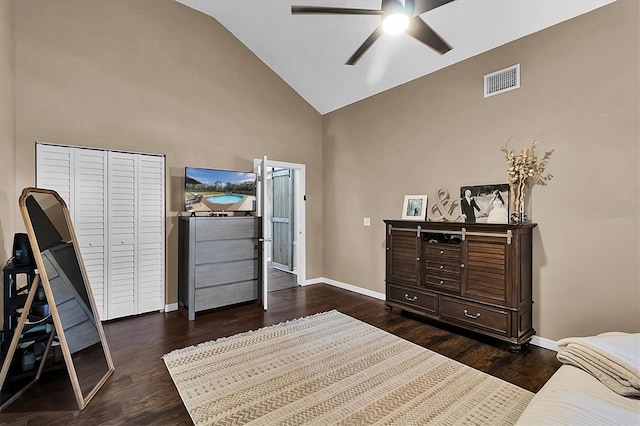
x: 309, y: 51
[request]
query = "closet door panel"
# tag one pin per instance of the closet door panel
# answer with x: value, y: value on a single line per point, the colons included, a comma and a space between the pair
x: 122, y: 230
x: 150, y: 284
x: 54, y: 170
x: 90, y: 220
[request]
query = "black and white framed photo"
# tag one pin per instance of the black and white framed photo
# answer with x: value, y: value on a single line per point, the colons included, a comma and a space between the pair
x: 414, y: 207
x: 485, y: 203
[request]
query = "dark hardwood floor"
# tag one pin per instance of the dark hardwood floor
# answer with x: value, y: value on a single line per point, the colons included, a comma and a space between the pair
x: 141, y: 392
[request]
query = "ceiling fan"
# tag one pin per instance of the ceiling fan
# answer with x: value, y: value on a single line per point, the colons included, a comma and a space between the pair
x: 398, y: 16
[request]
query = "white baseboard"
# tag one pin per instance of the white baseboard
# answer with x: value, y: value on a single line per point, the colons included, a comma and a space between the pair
x: 545, y: 343
x: 345, y: 286
x: 312, y: 281
x: 535, y: 340
x: 171, y: 307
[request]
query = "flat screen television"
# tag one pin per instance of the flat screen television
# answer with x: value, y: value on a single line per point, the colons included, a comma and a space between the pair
x: 214, y: 190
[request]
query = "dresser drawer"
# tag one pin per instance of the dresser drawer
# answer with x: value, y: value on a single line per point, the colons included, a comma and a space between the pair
x: 212, y: 274
x: 226, y: 294
x: 419, y: 299
x: 213, y: 251
x: 438, y: 266
x: 474, y: 315
x: 442, y: 282
x: 224, y: 228
x: 442, y: 251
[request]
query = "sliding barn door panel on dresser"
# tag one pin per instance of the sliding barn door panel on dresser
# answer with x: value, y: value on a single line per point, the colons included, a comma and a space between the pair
x: 403, y: 257
x: 116, y: 201
x: 487, y: 275
x: 471, y: 275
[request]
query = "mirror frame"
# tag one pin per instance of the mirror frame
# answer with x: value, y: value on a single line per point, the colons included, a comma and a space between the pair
x: 42, y: 273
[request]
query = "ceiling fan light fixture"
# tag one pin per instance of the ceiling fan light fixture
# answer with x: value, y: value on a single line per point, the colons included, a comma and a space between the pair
x: 395, y: 23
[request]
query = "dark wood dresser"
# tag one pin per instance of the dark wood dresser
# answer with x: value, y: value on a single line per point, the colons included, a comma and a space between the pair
x: 470, y: 275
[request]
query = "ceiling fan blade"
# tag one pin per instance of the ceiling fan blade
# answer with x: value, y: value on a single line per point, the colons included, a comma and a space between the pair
x: 422, y: 6
x: 419, y: 30
x: 375, y: 35
x: 298, y: 10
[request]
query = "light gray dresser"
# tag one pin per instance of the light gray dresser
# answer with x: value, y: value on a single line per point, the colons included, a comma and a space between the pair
x: 218, y: 261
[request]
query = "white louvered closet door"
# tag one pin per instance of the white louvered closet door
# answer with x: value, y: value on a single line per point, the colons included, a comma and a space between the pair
x: 150, y: 242
x: 116, y: 202
x: 79, y: 176
x: 89, y: 219
x: 122, y: 253
x: 53, y: 171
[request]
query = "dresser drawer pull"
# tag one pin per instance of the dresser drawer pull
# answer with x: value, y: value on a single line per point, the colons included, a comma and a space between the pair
x: 462, y: 266
x: 441, y: 251
x: 468, y: 315
x: 410, y: 299
x: 441, y: 282
x: 441, y: 266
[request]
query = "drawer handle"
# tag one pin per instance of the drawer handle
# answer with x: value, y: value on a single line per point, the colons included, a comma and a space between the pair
x: 462, y: 266
x: 441, y: 266
x: 441, y: 251
x: 410, y: 299
x: 468, y: 315
x: 441, y: 282
x: 418, y: 259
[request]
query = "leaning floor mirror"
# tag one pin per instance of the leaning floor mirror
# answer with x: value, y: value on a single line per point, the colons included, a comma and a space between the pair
x: 62, y: 275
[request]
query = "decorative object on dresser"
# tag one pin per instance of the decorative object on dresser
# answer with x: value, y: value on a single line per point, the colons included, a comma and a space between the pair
x: 414, y: 207
x: 523, y: 171
x: 445, y: 208
x: 218, y: 261
x: 473, y: 276
x: 485, y: 203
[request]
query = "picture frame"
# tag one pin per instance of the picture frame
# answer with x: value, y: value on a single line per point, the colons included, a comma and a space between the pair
x: 485, y: 203
x: 414, y: 207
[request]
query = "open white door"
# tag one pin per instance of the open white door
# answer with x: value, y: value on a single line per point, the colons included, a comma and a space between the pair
x: 263, y: 201
x: 299, y: 213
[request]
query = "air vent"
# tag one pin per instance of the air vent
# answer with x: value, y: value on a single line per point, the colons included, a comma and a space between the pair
x: 502, y: 81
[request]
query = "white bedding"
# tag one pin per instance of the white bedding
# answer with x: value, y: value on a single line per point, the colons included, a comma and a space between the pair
x: 613, y: 358
x: 574, y: 397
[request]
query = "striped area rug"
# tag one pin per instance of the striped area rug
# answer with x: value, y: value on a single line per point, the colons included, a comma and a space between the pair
x: 331, y: 369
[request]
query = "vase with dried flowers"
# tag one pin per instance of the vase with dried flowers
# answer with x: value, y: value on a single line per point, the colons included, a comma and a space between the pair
x: 524, y: 170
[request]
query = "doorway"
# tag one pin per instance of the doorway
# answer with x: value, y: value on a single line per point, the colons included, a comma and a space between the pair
x: 283, y: 232
x: 281, y: 269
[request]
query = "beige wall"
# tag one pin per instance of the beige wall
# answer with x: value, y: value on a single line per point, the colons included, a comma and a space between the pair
x: 155, y: 76
x: 8, y: 196
x: 579, y: 96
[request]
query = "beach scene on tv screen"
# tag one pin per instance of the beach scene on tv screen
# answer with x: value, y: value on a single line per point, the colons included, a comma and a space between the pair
x: 219, y: 190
